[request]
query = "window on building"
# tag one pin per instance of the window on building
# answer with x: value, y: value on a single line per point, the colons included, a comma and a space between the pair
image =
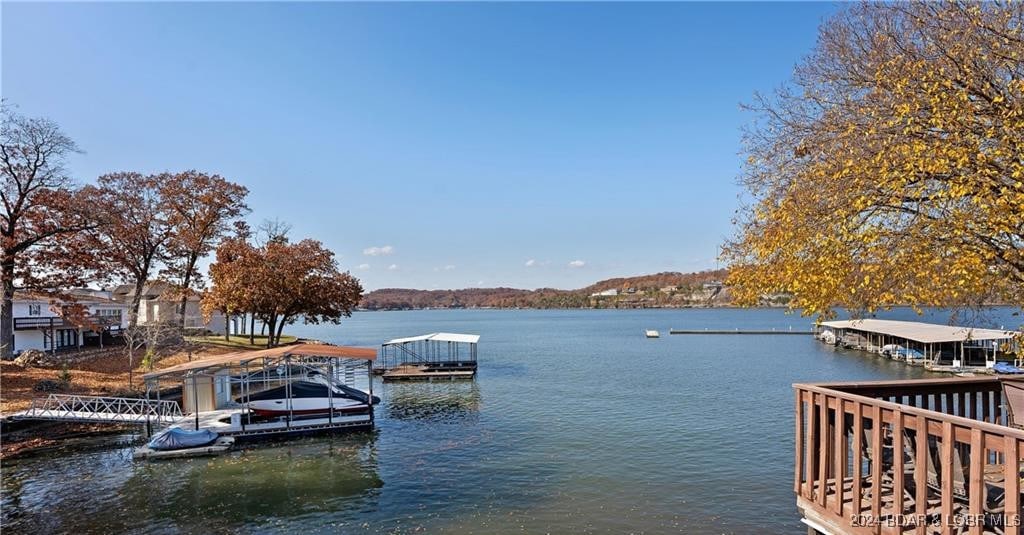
x: 113, y: 314
x: 35, y: 310
x: 67, y: 337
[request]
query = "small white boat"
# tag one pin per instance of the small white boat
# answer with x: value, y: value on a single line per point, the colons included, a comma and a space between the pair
x: 281, y: 407
x: 651, y: 333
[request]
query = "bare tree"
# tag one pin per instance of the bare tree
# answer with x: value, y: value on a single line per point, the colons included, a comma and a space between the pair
x: 148, y: 340
x: 44, y: 212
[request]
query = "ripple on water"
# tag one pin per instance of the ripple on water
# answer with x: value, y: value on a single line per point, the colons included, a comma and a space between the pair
x: 575, y: 424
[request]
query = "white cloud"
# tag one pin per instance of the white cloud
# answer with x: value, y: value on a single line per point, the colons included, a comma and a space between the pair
x: 392, y: 267
x: 531, y: 262
x: 384, y: 250
x: 577, y: 264
x: 449, y: 267
x: 479, y: 283
x: 363, y: 267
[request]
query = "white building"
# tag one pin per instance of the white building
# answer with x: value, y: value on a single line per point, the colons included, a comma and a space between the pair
x: 40, y: 322
x: 161, y: 303
x: 607, y: 293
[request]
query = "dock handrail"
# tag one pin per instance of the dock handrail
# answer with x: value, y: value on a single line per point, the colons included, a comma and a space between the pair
x: 102, y: 409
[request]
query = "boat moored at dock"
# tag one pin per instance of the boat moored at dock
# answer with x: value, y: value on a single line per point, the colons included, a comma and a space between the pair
x: 285, y: 390
x: 944, y: 348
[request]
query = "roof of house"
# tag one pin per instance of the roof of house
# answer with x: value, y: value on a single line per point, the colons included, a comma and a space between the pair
x: 79, y: 295
x: 154, y: 289
x: 926, y: 333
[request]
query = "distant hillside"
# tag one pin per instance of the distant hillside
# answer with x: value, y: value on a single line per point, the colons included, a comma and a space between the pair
x: 660, y: 290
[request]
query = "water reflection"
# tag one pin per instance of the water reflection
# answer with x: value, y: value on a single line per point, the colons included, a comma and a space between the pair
x: 433, y: 401
x: 260, y: 484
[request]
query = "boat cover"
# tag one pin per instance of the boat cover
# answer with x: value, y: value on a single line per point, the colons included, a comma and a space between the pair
x: 310, y: 389
x: 1003, y: 367
x: 177, y: 438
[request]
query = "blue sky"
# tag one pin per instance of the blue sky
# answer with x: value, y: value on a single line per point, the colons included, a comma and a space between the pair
x: 430, y: 145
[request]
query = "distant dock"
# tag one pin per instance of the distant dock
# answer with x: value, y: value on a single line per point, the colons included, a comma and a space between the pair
x: 429, y: 357
x: 736, y: 331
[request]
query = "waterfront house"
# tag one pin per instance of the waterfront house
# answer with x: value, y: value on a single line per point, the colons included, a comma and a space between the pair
x: 161, y: 303
x: 84, y: 318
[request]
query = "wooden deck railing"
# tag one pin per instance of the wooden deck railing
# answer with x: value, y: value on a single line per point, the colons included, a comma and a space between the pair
x: 57, y: 322
x: 923, y: 456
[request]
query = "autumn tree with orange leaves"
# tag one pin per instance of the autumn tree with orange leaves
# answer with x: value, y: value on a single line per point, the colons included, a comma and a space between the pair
x: 280, y: 282
x: 43, y: 216
x: 201, y: 208
x: 891, y: 169
x: 137, y: 232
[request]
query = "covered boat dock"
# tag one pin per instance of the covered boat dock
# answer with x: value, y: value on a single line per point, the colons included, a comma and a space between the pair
x: 428, y: 357
x: 229, y: 393
x: 938, y: 347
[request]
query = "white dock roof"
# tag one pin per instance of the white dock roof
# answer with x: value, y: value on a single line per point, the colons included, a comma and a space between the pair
x: 439, y: 337
x: 926, y: 333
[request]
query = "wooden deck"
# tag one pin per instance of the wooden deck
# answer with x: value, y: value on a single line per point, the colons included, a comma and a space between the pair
x: 929, y: 456
x: 426, y: 373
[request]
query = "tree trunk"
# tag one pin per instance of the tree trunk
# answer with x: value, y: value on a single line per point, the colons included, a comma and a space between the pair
x: 186, y: 283
x: 7, y: 309
x: 131, y: 366
x: 280, y: 327
x: 133, y: 310
x: 252, y: 329
x: 270, y: 335
x: 227, y: 326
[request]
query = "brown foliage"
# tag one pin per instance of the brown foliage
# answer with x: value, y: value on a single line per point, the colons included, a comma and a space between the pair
x: 44, y: 212
x: 280, y: 282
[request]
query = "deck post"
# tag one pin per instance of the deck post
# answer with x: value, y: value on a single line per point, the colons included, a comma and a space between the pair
x: 195, y: 398
x: 330, y: 391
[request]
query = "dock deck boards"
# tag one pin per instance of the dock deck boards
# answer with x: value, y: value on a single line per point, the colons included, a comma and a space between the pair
x: 422, y: 373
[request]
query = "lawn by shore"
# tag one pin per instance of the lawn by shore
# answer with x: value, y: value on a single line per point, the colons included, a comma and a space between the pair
x: 240, y: 341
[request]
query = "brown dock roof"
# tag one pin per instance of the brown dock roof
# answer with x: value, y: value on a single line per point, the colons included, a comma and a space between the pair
x: 294, y: 350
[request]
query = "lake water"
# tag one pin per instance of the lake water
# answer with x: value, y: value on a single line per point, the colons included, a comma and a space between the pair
x: 575, y: 424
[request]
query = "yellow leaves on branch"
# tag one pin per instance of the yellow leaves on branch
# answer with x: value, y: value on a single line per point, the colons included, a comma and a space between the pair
x: 912, y: 191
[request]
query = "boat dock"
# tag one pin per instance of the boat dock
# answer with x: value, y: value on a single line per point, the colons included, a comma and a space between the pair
x: 944, y: 348
x: 227, y: 393
x: 428, y: 357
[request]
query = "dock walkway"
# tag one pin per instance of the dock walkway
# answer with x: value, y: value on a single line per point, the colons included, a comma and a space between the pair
x: 736, y: 331
x: 98, y: 409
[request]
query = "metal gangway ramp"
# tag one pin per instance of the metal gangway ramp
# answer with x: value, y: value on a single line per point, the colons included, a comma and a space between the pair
x: 72, y: 408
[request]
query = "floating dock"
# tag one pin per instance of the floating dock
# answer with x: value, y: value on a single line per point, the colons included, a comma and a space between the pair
x: 736, y: 331
x: 425, y: 373
x: 429, y: 357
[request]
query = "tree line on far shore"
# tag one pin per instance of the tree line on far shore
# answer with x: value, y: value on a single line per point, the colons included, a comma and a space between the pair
x: 130, y: 227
